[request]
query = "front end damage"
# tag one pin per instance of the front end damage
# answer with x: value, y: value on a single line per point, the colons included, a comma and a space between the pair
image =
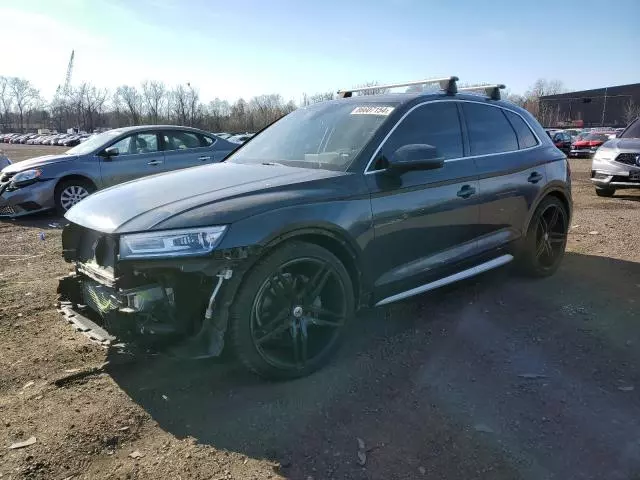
x: 175, y: 304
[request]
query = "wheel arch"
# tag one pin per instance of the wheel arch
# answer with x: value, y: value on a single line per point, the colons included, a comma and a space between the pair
x: 556, y: 191
x: 338, y: 245
x: 74, y: 176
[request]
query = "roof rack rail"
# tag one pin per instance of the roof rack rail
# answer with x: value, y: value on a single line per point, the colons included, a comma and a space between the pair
x: 491, y: 91
x: 448, y: 84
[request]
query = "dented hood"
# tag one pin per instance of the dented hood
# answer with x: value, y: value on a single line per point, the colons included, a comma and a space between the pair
x: 219, y: 194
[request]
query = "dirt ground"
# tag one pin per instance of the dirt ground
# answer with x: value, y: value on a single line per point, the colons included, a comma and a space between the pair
x: 496, y: 378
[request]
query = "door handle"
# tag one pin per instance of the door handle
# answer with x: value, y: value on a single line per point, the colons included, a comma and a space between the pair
x: 204, y: 159
x: 535, y: 177
x: 155, y: 162
x: 466, y: 191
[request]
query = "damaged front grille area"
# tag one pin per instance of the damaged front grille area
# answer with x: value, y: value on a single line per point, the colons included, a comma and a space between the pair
x: 99, y: 298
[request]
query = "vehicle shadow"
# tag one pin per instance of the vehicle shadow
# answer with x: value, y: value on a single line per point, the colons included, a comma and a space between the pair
x: 406, y: 371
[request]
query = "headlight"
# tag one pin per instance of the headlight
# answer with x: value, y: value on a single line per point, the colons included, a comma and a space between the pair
x: 26, y: 176
x: 603, y: 154
x: 171, y: 243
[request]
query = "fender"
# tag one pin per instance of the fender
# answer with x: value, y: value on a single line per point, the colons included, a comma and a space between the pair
x: 557, y: 187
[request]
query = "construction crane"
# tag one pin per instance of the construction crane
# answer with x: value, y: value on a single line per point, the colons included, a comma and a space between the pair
x: 67, y: 79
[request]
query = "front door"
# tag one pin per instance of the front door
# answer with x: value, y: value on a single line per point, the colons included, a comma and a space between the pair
x: 424, y: 221
x: 139, y: 155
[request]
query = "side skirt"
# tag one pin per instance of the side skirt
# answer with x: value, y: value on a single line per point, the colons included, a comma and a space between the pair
x: 470, y: 272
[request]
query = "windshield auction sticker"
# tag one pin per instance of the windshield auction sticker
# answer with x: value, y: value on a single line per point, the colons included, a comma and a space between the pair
x: 372, y: 110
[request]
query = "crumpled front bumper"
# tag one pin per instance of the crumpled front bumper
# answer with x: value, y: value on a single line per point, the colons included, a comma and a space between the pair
x: 37, y: 197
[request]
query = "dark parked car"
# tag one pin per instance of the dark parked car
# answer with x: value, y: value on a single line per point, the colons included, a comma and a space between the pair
x: 116, y: 156
x: 350, y: 203
x: 562, y: 140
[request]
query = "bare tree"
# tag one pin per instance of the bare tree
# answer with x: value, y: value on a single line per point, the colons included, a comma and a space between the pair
x: 180, y: 104
x: 23, y: 94
x: 631, y: 111
x: 218, y: 112
x: 132, y: 102
x: 92, y: 100
x: 155, y: 97
x: 6, y: 102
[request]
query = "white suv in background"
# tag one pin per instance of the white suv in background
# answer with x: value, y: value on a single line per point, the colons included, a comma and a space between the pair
x: 616, y: 164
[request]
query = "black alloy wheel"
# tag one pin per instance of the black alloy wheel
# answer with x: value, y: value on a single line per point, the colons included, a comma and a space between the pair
x: 289, y: 317
x: 546, y: 240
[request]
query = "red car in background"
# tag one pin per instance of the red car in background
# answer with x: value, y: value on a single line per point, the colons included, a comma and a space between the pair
x: 588, y: 145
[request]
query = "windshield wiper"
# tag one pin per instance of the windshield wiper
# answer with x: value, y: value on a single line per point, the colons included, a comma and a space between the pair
x: 273, y: 164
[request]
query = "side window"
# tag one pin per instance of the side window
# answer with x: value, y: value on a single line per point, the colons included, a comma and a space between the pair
x: 180, y: 140
x: 489, y: 130
x: 137, y: 143
x: 123, y: 145
x: 205, y: 141
x: 434, y: 124
x: 144, y: 143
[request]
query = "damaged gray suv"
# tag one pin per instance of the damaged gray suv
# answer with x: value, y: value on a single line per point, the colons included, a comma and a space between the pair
x: 346, y: 204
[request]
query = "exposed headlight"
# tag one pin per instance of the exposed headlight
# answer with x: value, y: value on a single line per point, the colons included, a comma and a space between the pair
x: 26, y: 176
x: 171, y: 243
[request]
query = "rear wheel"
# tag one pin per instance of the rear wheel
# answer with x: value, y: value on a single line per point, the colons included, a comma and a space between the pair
x: 605, y: 191
x: 546, y: 239
x: 289, y: 315
x: 69, y: 192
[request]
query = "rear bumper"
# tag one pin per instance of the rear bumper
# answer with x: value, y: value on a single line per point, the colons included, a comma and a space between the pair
x: 37, y: 197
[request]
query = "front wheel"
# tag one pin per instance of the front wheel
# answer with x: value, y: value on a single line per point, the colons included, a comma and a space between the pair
x: 289, y: 315
x: 605, y: 191
x: 546, y: 239
x: 70, y: 192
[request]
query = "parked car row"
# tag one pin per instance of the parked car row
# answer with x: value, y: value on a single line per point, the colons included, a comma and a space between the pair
x: 581, y: 143
x: 61, y: 139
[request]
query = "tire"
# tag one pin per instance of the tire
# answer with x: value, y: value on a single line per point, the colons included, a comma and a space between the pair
x: 536, y: 259
x: 69, y: 192
x: 301, y: 342
x: 605, y: 192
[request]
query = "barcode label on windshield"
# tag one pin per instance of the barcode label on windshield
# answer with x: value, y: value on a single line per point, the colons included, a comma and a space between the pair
x: 372, y: 110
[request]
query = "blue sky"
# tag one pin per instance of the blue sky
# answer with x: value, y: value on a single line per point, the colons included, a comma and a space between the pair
x: 245, y: 48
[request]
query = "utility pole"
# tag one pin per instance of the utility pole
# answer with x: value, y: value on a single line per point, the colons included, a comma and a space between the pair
x: 604, y: 106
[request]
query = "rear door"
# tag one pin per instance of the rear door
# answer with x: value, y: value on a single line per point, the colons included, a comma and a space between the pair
x: 139, y: 155
x: 510, y: 167
x: 424, y: 222
x: 183, y: 148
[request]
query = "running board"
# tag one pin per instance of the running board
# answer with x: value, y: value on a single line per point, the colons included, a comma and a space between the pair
x: 456, y: 277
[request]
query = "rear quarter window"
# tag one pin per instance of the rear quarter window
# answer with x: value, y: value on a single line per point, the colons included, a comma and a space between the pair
x: 526, y: 138
x: 489, y: 130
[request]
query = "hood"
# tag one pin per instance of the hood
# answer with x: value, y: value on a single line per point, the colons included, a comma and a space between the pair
x: 38, y: 162
x: 228, y: 191
x: 631, y: 144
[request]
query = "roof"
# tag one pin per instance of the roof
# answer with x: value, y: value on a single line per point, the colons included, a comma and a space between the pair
x: 155, y: 127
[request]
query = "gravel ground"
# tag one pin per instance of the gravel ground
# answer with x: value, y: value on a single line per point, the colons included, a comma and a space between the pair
x: 497, y: 377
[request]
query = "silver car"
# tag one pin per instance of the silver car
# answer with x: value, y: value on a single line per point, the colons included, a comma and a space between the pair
x: 116, y: 156
x: 616, y: 164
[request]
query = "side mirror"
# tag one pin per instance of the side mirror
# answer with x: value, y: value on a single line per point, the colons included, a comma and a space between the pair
x: 415, y: 157
x: 110, y: 152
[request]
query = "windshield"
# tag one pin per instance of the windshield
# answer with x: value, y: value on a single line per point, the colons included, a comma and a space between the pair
x: 326, y: 135
x: 93, y: 143
x: 632, y: 131
x: 597, y: 136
